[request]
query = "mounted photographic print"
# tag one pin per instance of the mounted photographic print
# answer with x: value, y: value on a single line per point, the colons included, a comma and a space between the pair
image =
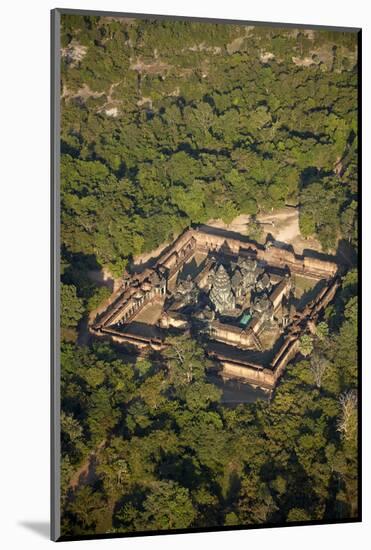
x: 205, y: 264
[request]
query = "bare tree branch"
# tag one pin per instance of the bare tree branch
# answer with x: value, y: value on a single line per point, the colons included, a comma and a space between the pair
x: 318, y: 366
x: 347, y: 420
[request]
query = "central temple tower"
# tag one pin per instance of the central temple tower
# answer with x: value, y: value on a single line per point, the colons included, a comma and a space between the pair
x: 221, y: 294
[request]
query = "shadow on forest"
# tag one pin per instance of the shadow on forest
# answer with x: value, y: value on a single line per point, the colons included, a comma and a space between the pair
x: 180, y: 469
x: 79, y: 262
x: 346, y: 253
x: 84, y: 272
x: 133, y: 501
x: 234, y: 487
x: 299, y: 492
x: 310, y: 175
x: 336, y: 508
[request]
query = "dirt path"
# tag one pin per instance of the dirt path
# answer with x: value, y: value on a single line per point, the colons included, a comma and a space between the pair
x: 86, y: 473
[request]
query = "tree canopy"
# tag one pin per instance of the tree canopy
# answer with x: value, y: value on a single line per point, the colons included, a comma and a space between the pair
x: 169, y: 454
x: 170, y: 123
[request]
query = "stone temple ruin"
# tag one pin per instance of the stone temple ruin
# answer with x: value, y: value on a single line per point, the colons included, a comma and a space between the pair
x: 248, y: 303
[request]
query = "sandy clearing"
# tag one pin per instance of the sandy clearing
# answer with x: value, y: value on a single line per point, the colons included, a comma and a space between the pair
x: 74, y: 53
x: 282, y: 224
x: 158, y: 67
x: 285, y: 229
x: 83, y: 93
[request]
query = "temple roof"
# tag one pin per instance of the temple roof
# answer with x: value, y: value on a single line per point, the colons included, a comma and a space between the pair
x: 262, y: 304
x: 248, y: 264
x: 221, y: 293
x: 221, y: 280
x: 236, y: 277
x: 265, y: 280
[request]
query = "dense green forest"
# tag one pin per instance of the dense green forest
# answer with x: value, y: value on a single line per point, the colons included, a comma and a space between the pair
x: 170, y: 455
x: 169, y: 123
x: 165, y: 124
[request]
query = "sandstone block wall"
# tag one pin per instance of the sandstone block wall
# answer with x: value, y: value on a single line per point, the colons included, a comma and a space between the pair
x: 263, y: 378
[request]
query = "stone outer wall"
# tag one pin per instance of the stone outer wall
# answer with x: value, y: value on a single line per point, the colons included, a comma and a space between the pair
x: 165, y: 258
x: 316, y: 268
x: 263, y: 378
x: 236, y: 336
x: 141, y: 342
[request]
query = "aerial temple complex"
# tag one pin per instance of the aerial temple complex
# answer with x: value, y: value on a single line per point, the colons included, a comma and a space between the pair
x: 249, y: 304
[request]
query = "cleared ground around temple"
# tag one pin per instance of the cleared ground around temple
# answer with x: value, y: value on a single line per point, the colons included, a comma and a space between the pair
x: 282, y: 224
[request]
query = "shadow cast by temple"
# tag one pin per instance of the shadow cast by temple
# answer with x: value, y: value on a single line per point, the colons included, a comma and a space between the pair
x: 134, y: 268
x: 279, y: 244
x: 309, y: 253
x: 308, y: 295
x: 227, y: 234
x: 346, y: 253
